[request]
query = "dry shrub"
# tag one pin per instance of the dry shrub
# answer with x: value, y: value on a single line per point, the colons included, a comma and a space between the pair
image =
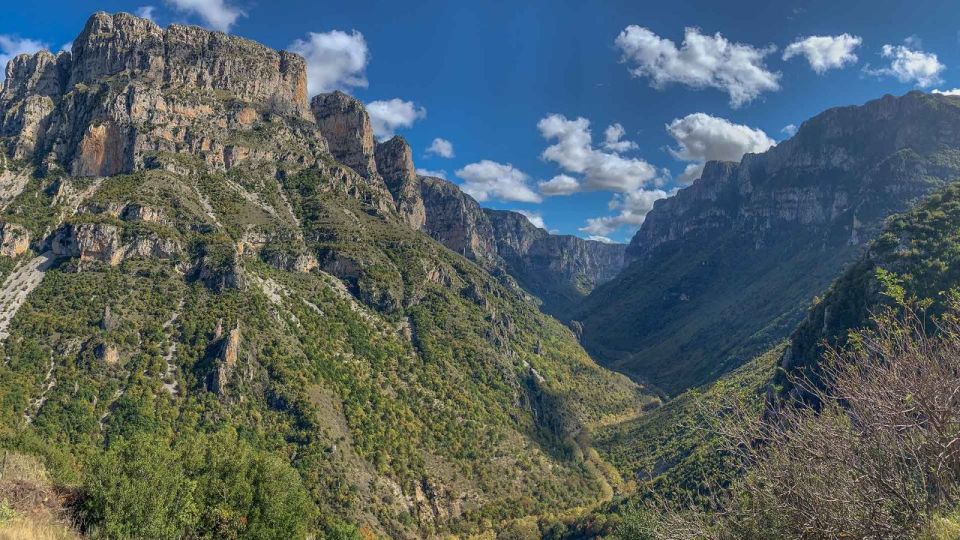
x: 872, y: 452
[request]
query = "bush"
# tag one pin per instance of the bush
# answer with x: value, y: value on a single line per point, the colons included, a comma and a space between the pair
x: 214, y: 486
x: 873, y: 451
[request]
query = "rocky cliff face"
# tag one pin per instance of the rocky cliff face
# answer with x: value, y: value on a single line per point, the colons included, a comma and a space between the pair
x: 724, y: 268
x: 131, y: 94
x: 846, y: 169
x: 395, y: 164
x: 560, y: 269
x: 346, y: 125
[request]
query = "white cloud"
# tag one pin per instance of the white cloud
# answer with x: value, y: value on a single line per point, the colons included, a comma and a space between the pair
x: 13, y: 46
x: 335, y: 60
x: 146, y: 12
x: 216, y: 14
x: 598, y: 238
x: 825, y: 52
x: 390, y: 115
x: 487, y: 179
x: 951, y: 92
x: 437, y: 173
x: 560, y: 184
x: 633, y: 208
x: 613, y: 139
x: 789, y: 130
x: 441, y: 147
x: 574, y: 153
x: 534, y: 218
x: 910, y: 65
x: 701, y: 137
x: 702, y: 61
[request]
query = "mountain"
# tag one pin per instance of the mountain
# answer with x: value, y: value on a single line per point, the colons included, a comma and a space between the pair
x: 916, y: 253
x: 725, y: 268
x: 559, y: 269
x: 227, y: 311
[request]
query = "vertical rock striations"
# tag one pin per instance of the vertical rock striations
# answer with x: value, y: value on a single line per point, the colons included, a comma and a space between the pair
x: 345, y: 124
x: 395, y: 165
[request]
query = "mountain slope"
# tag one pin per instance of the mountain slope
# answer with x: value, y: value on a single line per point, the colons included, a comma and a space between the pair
x: 559, y: 270
x: 226, y: 292
x: 725, y: 268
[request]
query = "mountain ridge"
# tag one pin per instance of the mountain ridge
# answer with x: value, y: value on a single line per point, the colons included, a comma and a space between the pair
x: 188, y: 267
x: 723, y: 269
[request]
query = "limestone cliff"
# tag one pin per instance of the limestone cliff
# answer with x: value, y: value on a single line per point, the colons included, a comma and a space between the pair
x: 725, y: 268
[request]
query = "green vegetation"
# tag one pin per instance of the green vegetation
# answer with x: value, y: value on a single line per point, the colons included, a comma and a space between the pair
x: 397, y: 405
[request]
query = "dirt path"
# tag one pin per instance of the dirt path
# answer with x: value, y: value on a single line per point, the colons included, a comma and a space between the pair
x: 169, y: 382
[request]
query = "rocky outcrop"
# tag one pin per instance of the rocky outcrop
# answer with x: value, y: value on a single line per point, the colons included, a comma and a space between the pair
x: 737, y: 255
x: 225, y: 361
x: 455, y: 220
x: 346, y: 126
x: 14, y: 240
x: 105, y: 243
x: 395, y: 165
x: 131, y: 93
x: 559, y: 269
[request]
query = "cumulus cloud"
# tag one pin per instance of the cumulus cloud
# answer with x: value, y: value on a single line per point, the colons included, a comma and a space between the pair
x: 216, y: 14
x: 535, y: 218
x: 574, y: 152
x: 441, y: 147
x: 701, y: 138
x: 336, y: 60
x: 390, y: 115
x: 825, y: 52
x: 598, y: 238
x: 789, y: 130
x: 13, y: 46
x: 146, y: 12
x: 951, y: 92
x: 613, y: 139
x: 632, y: 210
x: 485, y: 180
x: 909, y: 64
x: 440, y: 173
x: 560, y: 184
x: 701, y: 61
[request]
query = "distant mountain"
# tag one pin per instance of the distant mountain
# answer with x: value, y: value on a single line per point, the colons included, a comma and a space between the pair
x: 221, y: 316
x: 724, y: 269
x: 558, y: 269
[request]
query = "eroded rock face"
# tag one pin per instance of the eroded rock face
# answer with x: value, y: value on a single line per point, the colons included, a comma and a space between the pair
x: 558, y: 269
x: 131, y: 93
x: 226, y: 361
x: 104, y: 242
x: 345, y: 124
x: 188, y: 57
x: 14, y: 240
x: 846, y: 168
x: 395, y: 165
x: 456, y: 220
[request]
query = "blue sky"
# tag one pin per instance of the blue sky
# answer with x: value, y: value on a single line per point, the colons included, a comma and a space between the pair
x: 487, y: 76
